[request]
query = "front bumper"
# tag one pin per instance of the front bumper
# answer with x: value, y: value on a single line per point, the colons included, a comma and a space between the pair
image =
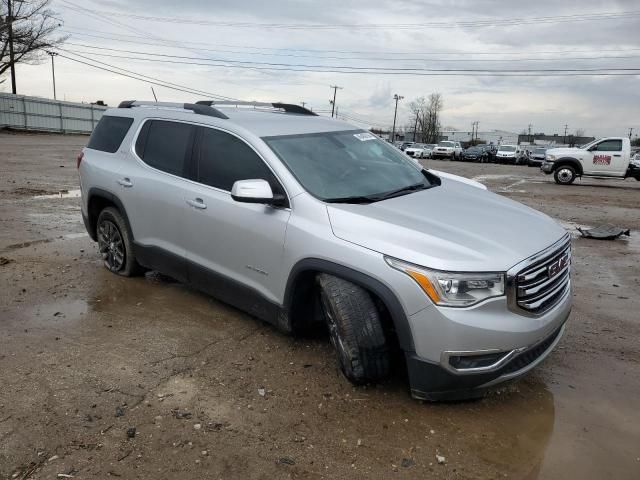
x: 441, y: 154
x: 547, y: 167
x: 509, y: 344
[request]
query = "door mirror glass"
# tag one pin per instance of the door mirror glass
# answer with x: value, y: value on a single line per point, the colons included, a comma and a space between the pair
x: 255, y: 191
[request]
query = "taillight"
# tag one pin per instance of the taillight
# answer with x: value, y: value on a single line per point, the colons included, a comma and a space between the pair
x: 79, y: 159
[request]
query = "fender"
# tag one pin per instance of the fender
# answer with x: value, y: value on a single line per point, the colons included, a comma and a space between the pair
x: 384, y: 293
x: 110, y: 197
x: 574, y: 162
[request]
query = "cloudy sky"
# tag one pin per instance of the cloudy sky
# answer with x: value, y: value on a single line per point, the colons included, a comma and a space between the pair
x: 251, y: 49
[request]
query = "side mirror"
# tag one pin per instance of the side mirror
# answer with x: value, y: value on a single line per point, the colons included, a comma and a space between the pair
x: 255, y: 191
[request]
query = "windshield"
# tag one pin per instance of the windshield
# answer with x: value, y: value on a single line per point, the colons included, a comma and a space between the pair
x: 507, y: 148
x: 446, y: 144
x: 540, y: 150
x: 347, y: 164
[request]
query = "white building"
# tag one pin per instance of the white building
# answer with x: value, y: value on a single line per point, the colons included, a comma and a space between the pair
x: 497, y: 137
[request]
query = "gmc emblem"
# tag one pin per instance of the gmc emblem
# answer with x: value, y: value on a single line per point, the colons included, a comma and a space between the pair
x: 556, y: 267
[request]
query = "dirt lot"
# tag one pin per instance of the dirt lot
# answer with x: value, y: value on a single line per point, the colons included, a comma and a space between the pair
x: 86, y: 355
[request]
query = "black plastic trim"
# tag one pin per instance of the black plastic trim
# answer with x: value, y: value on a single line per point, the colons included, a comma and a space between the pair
x: 91, y: 222
x: 205, y: 110
x: 292, y: 108
x: 398, y: 315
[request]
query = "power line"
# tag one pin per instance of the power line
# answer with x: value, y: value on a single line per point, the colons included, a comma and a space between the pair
x: 379, y: 70
x: 145, y: 78
x: 119, y: 37
x: 600, y: 16
x: 563, y: 59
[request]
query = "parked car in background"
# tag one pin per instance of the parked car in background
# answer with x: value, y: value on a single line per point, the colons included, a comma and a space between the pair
x: 511, y: 154
x: 404, y: 145
x: 304, y: 221
x: 414, y: 150
x: 491, y: 150
x: 447, y: 149
x: 603, y: 158
x: 477, y: 153
x: 418, y: 150
x: 537, y: 156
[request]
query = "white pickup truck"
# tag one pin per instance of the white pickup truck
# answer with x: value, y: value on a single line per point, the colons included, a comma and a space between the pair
x: 608, y: 157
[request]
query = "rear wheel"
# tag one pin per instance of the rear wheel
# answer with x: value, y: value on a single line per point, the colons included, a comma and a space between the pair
x: 115, y: 245
x: 355, y: 329
x: 564, y: 175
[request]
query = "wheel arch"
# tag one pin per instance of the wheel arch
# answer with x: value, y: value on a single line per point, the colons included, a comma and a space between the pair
x: 100, y: 199
x: 301, y: 282
x: 568, y: 161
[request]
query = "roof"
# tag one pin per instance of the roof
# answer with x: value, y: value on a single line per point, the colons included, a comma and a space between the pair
x: 262, y: 122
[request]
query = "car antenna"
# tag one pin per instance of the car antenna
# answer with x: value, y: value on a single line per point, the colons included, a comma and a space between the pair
x: 154, y: 94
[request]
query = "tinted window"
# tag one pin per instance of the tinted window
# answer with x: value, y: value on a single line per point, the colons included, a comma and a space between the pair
x: 165, y: 145
x: 609, y: 146
x: 109, y: 133
x: 224, y: 159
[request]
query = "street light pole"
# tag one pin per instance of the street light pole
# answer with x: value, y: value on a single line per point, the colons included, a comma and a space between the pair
x: 53, y: 73
x: 11, y: 56
x: 396, y: 97
x: 630, y: 132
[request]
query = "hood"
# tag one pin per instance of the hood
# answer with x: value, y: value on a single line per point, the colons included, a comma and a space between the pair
x: 564, y: 151
x: 453, y: 226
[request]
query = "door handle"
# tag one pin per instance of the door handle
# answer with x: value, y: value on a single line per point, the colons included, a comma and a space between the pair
x: 616, y: 154
x: 197, y: 203
x: 125, y: 182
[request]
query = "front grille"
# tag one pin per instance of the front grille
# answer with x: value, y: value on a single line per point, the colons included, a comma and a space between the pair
x: 529, y: 356
x: 540, y: 286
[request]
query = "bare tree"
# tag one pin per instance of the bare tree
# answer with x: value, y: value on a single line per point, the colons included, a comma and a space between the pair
x: 580, y: 132
x: 426, y: 116
x: 34, y: 30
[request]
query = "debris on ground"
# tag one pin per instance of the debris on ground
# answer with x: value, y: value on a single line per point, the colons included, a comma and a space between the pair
x: 286, y: 461
x: 262, y: 392
x: 407, y: 462
x: 5, y: 260
x: 181, y: 414
x: 131, y: 432
x: 441, y: 460
x: 119, y: 411
x: 604, y: 232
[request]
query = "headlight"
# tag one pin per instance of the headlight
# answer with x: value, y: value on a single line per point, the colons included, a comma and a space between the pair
x: 550, y: 158
x: 453, y: 289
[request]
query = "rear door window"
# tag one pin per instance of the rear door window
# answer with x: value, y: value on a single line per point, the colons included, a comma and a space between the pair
x: 166, y: 145
x: 109, y: 133
x: 223, y: 159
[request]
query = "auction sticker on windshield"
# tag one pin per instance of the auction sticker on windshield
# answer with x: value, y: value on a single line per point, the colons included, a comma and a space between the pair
x: 363, y: 137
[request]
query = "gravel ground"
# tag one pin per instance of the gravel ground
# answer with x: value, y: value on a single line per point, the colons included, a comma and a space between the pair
x: 85, y: 357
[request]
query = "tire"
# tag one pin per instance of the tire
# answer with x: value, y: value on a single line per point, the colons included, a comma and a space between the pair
x: 564, y: 175
x: 355, y: 329
x: 115, y: 244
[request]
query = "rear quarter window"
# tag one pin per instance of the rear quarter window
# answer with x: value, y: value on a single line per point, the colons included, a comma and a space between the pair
x: 109, y: 133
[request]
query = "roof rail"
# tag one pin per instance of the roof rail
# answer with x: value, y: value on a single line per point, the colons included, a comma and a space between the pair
x: 287, y: 107
x: 200, y: 109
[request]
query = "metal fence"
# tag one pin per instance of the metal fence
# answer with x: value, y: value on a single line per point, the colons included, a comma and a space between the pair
x: 33, y: 113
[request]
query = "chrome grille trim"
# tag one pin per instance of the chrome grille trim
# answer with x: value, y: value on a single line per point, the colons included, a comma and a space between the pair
x: 530, y: 291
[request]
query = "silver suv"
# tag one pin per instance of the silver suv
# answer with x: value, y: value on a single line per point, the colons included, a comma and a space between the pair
x: 302, y: 220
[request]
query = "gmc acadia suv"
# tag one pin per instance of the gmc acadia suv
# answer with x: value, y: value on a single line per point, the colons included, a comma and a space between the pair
x: 300, y: 220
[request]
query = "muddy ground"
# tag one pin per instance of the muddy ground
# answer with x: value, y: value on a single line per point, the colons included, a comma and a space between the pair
x: 86, y: 355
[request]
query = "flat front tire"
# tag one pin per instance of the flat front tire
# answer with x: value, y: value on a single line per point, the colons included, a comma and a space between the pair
x: 115, y: 244
x: 355, y: 329
x: 564, y: 175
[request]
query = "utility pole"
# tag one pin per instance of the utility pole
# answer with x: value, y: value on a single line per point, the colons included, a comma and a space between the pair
x: 396, y: 97
x: 530, y: 132
x: 303, y: 104
x: 11, y: 57
x: 630, y: 132
x: 333, y: 103
x: 565, y: 133
x: 53, y: 73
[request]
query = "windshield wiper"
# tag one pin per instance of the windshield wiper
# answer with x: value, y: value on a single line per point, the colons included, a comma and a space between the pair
x: 402, y: 191
x: 355, y: 199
